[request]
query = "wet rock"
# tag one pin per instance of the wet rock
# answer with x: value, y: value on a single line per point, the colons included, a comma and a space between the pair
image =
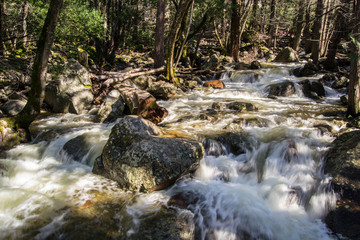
x: 79, y: 146
x: 168, y: 223
x: 282, y: 89
x: 255, y: 65
x: 341, y: 82
x: 241, y: 66
x: 226, y: 143
x: 309, y: 69
x: 139, y: 159
x: 324, y: 128
x: 163, y: 90
x: 342, y: 162
x: 111, y: 108
x: 314, y: 90
x: 344, y: 100
x: 71, y: 92
x: 142, y: 103
x: 287, y: 55
x: 233, y: 105
x: 217, y: 84
x: 144, y: 82
x: 13, y: 107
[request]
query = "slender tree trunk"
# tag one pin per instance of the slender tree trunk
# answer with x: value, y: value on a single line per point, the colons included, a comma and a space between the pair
x: 235, y: 30
x: 1, y: 27
x: 38, y: 77
x: 186, y: 34
x: 262, y: 15
x: 354, y: 85
x: 25, y: 10
x: 273, y: 24
x: 316, y: 34
x: 307, y: 32
x: 183, y: 9
x: 341, y: 30
x: 299, y: 25
x: 159, y: 34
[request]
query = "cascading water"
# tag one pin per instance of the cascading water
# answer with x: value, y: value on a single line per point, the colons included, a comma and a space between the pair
x: 263, y: 181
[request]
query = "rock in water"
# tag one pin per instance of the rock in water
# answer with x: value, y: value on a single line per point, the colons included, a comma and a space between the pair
x: 140, y: 159
x: 214, y: 84
x: 342, y: 162
x: 142, y: 103
x: 71, y: 92
x: 287, y: 55
x: 283, y: 89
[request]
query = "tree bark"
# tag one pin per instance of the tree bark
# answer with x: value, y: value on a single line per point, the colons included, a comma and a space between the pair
x: 39, y: 70
x: 316, y: 33
x: 307, y: 32
x: 25, y: 11
x: 273, y: 24
x: 354, y: 85
x: 183, y: 9
x: 2, y: 30
x: 340, y: 31
x: 159, y: 34
x: 299, y: 25
x: 235, y: 30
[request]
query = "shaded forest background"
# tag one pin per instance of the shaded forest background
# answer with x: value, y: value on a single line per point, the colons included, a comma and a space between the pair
x: 104, y: 34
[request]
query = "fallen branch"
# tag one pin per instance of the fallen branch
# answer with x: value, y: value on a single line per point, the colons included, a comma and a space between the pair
x: 119, y: 77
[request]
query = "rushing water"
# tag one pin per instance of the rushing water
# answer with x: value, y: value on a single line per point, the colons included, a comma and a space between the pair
x: 273, y: 189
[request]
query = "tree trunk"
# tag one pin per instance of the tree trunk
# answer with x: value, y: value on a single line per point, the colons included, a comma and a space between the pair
x: 183, y: 9
x: 159, y: 34
x: 235, y: 30
x: 299, y: 25
x: 273, y: 25
x: 39, y: 70
x: 25, y: 11
x: 307, y: 32
x: 316, y: 33
x: 2, y: 30
x: 354, y: 85
x: 340, y: 31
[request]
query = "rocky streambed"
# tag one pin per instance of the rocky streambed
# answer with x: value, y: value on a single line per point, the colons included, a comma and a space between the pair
x: 244, y: 161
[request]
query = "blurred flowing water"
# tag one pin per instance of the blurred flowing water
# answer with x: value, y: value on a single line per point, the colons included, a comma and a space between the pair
x: 271, y: 187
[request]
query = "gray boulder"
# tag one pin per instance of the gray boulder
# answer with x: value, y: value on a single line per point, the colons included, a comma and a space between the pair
x: 79, y: 146
x: 314, y: 90
x: 112, y: 107
x: 282, y: 89
x: 13, y: 107
x: 342, y: 162
x: 140, y: 159
x: 70, y: 92
x: 287, y: 55
x: 163, y: 90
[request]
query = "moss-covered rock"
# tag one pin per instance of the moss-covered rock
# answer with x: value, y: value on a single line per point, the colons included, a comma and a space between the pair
x: 140, y: 159
x: 343, y: 163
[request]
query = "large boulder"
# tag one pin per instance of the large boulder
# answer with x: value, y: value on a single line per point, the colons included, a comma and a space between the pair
x: 309, y: 69
x: 71, y: 91
x: 111, y: 108
x: 163, y: 90
x: 139, y: 158
x: 142, y: 103
x: 282, y: 89
x: 13, y: 107
x: 287, y: 55
x: 314, y: 89
x: 342, y: 162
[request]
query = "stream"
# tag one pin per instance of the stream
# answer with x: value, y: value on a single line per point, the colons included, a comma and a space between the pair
x: 272, y: 188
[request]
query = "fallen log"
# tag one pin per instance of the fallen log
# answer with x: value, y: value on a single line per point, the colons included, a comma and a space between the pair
x: 111, y: 80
